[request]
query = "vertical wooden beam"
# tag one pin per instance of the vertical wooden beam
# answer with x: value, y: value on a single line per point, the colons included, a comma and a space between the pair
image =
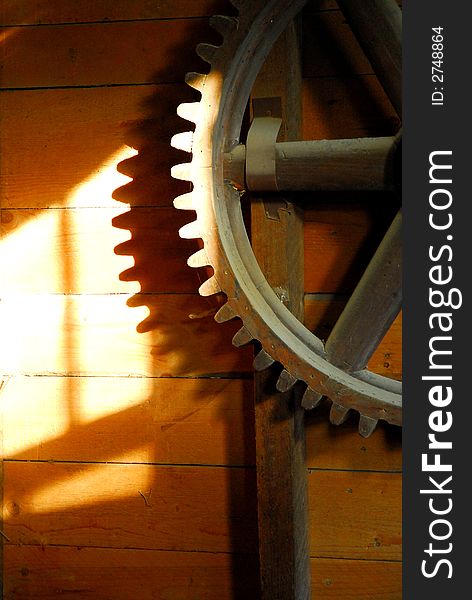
x: 277, y: 240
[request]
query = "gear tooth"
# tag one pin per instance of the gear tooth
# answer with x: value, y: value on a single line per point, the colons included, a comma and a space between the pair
x: 223, y: 24
x: 311, y: 399
x: 190, y: 231
x: 195, y: 80
x: 285, y: 381
x: 184, y: 202
x: 207, y: 52
x: 209, y: 287
x: 338, y: 414
x: 263, y: 360
x: 189, y: 111
x: 367, y: 425
x: 242, y: 337
x: 225, y: 313
x: 182, y: 141
x: 199, y: 259
x: 182, y: 171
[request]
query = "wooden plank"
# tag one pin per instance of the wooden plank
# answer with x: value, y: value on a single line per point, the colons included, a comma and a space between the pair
x: 103, y: 54
x: 38, y: 573
x: 34, y: 573
x: 355, y: 515
x: 91, y: 251
x: 280, y: 438
x: 94, y: 419
x: 131, y: 506
x: 86, y: 250
x: 168, y: 420
x: 2, y: 537
x: 339, y: 241
x: 321, y: 315
x: 42, y: 12
x: 356, y: 580
x: 101, y: 335
x: 68, y: 143
x: 345, y: 107
x: 373, y: 306
x: 341, y: 447
x: 92, y: 127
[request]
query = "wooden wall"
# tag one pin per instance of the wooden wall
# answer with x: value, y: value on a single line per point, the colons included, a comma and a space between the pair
x: 128, y: 438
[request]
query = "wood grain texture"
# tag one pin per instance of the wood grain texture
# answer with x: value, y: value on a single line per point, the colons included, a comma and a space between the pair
x: 346, y: 107
x: 339, y: 241
x: 321, y: 315
x: 355, y: 515
x: 101, y: 335
x: 341, y: 447
x: 98, y: 335
x: 34, y: 573
x: 38, y: 573
x: 96, y: 251
x: 352, y: 515
x: 279, y: 419
x: 131, y: 506
x: 2, y: 540
x: 100, y: 250
x: 175, y: 421
x: 60, y: 149
x: 355, y: 580
x: 42, y: 12
x: 66, y: 155
x: 95, y: 419
x: 63, y: 147
x: 103, y: 54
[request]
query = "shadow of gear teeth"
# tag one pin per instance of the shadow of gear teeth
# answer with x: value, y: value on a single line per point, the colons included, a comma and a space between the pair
x: 225, y: 91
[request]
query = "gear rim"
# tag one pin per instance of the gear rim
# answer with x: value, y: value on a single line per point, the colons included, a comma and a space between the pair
x: 217, y: 117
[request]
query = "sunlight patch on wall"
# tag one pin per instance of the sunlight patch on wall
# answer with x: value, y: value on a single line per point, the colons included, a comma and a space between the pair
x: 84, y: 485
x: 37, y: 413
x: 28, y: 420
x: 69, y: 249
x: 93, y: 408
x: 6, y: 34
x: 97, y: 190
x: 102, y: 341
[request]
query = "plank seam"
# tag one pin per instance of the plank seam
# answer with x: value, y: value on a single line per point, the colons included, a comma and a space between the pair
x: 109, y: 21
x: 121, y: 463
x: 86, y: 87
x: 386, y: 472
x: 246, y: 376
x: 376, y: 560
x: 154, y: 83
x: 113, y: 548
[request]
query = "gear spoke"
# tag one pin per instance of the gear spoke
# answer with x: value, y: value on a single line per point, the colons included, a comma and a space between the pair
x: 377, y: 25
x: 372, y: 308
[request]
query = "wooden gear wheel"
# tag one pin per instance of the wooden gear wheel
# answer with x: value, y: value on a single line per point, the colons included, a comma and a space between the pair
x: 335, y: 369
